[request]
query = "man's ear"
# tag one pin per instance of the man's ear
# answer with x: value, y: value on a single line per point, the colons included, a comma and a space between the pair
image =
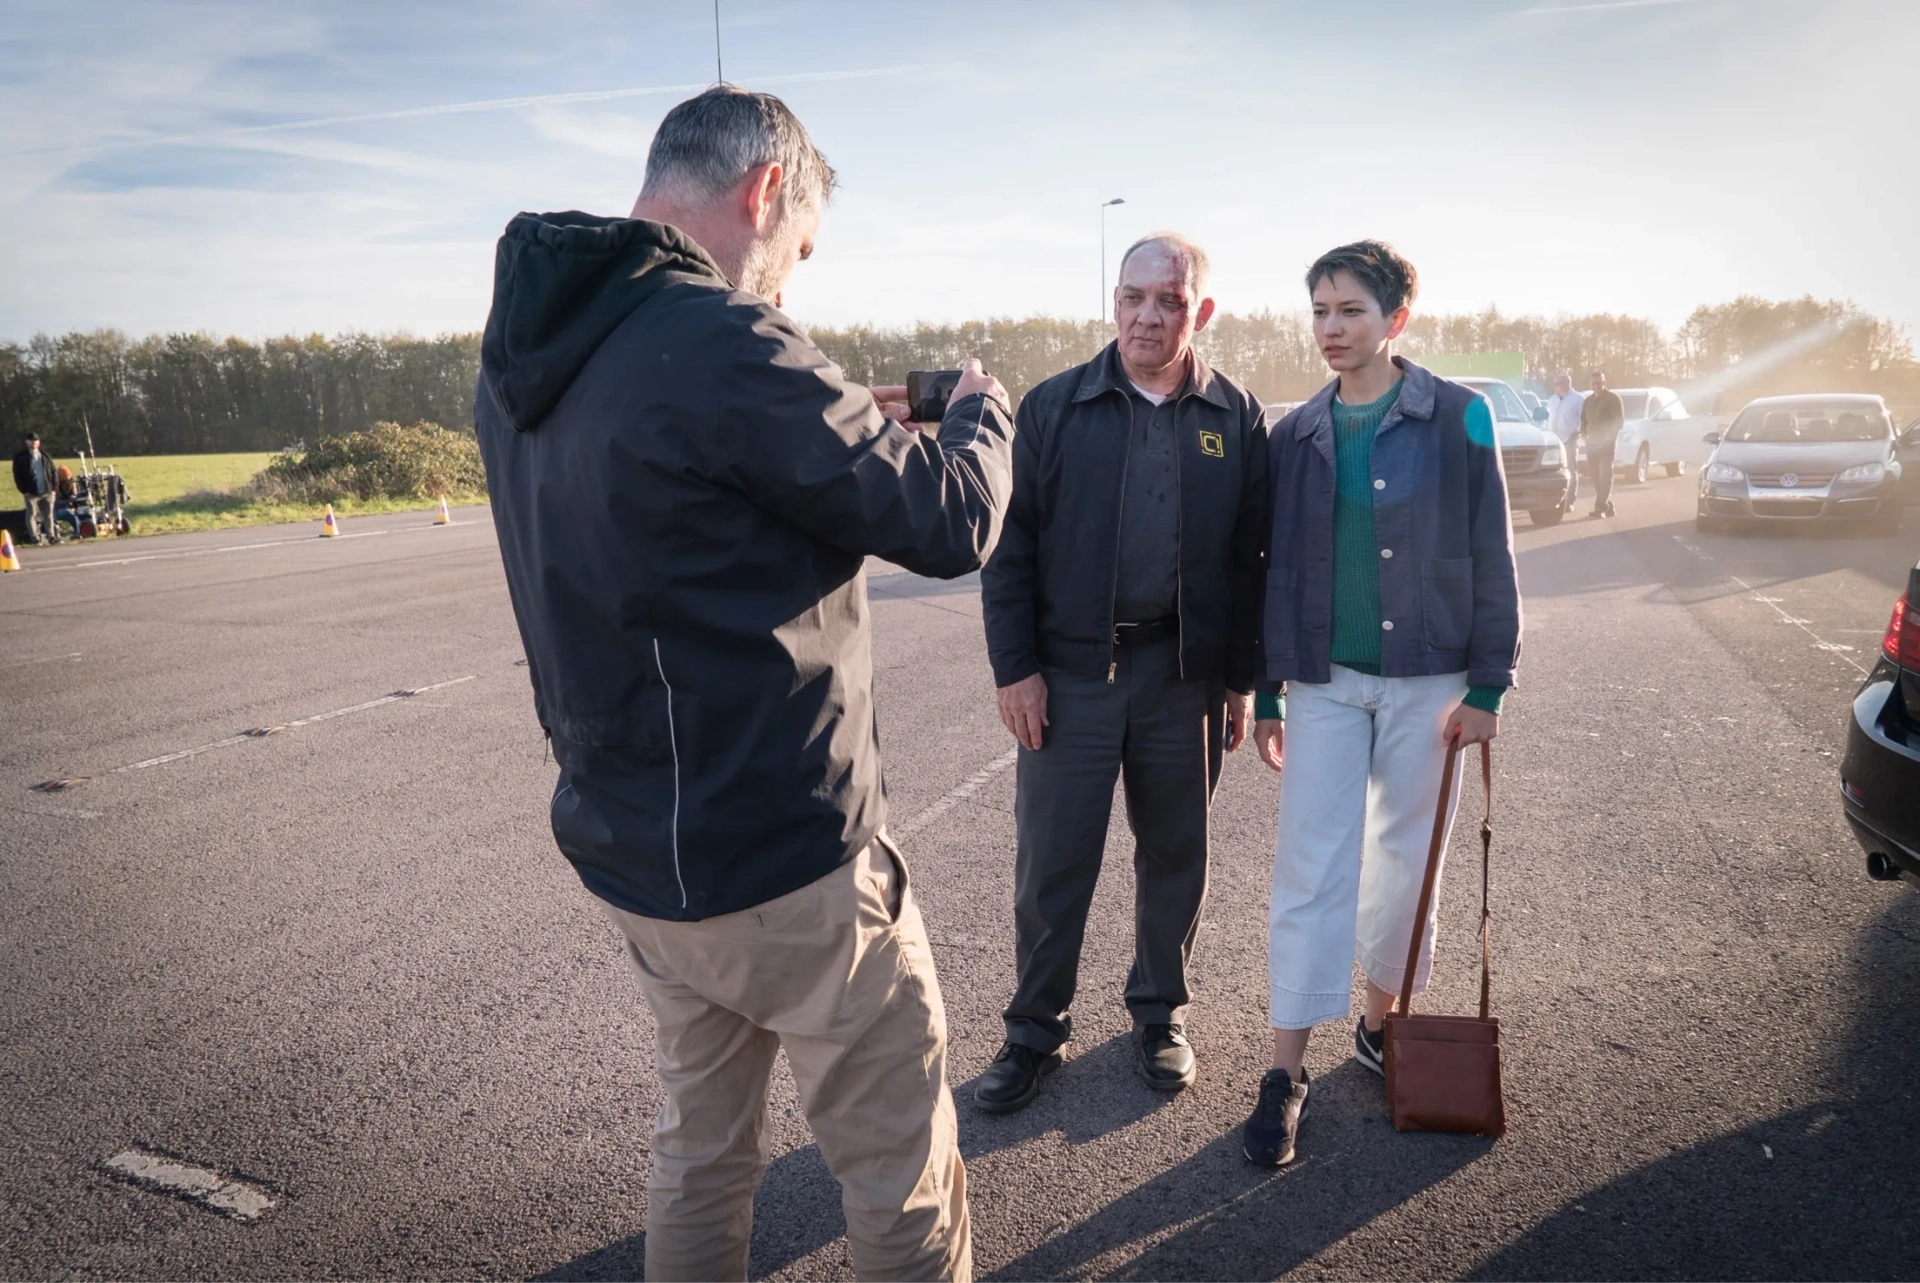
x: 1398, y: 321
x: 1204, y: 315
x: 761, y: 188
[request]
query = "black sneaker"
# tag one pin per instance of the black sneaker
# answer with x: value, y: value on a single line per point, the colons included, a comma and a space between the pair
x: 1267, y: 1139
x: 1166, y: 1057
x: 1370, y: 1047
x: 1013, y: 1079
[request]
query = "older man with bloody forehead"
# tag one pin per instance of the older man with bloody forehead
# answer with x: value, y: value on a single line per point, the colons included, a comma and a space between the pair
x: 1119, y: 624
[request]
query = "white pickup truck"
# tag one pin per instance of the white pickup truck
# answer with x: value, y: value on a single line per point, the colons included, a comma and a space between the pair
x: 1659, y: 432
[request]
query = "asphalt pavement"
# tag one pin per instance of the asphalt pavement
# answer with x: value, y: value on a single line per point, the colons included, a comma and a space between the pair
x: 338, y: 964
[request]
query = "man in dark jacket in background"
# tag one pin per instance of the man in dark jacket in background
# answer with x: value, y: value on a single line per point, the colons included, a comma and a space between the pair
x: 34, y: 476
x: 1119, y: 611
x: 686, y: 492
x: 1601, y: 419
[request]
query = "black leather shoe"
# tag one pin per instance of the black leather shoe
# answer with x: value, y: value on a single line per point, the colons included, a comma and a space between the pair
x: 1013, y: 1079
x: 1166, y: 1057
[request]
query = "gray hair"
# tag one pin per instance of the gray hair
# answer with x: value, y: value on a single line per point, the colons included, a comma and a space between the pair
x: 706, y: 145
x: 1180, y: 248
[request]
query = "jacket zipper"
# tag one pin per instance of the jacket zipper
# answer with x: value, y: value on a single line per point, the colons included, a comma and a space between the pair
x: 1119, y: 526
x: 1179, y: 543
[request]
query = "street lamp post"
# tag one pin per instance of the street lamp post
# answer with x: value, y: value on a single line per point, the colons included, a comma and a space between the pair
x: 1106, y: 304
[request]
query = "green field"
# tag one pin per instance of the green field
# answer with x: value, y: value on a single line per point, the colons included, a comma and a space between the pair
x: 172, y: 493
x: 162, y: 478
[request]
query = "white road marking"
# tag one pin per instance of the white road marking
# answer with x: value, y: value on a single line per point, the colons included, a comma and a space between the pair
x: 239, y: 1199
x: 1820, y: 643
x: 956, y: 795
x: 244, y: 736
x: 47, y: 659
x: 243, y: 547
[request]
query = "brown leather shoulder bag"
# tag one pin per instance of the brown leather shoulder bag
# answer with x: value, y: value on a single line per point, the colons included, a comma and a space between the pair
x: 1443, y: 1072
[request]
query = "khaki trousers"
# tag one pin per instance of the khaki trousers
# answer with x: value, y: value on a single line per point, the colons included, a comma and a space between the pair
x: 840, y: 975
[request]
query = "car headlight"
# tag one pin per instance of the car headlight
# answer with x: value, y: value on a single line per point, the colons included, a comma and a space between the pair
x: 1550, y: 457
x: 1865, y: 472
x: 1723, y: 472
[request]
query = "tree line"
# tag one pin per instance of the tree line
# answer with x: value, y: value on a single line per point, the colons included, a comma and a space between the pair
x: 184, y: 393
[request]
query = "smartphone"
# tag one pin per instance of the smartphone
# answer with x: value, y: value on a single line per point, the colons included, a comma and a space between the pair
x: 928, y: 392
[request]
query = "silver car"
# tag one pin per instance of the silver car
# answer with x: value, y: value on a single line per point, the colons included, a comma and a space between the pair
x: 1804, y: 459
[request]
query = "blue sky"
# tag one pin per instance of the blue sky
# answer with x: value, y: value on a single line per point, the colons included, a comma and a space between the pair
x: 264, y: 168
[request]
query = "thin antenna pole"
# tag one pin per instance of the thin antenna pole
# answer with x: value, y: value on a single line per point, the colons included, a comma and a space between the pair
x: 719, y: 77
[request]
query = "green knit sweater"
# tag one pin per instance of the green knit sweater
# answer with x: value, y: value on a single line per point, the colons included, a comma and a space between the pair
x: 1356, y: 553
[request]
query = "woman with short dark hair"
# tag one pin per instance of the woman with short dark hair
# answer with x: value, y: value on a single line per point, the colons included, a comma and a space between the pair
x: 1392, y: 620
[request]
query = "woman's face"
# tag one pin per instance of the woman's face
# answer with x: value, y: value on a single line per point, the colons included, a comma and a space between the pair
x: 1348, y: 324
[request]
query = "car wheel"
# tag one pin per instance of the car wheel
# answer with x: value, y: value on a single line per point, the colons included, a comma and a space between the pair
x: 1676, y: 469
x: 1547, y: 516
x: 1637, y: 471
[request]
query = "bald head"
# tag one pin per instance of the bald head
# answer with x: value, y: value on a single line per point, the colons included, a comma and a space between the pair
x: 1171, y: 247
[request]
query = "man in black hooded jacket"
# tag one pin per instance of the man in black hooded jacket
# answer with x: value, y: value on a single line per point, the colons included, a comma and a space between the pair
x: 686, y: 491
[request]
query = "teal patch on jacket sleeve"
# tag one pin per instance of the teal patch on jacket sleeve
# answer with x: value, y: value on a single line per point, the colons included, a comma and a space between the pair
x: 1480, y: 422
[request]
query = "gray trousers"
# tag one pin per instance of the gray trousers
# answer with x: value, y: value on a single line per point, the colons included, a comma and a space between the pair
x: 40, y: 518
x: 1601, y: 457
x: 1163, y: 737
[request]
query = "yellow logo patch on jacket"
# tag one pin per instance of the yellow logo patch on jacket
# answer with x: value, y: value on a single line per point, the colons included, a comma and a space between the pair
x: 1212, y: 446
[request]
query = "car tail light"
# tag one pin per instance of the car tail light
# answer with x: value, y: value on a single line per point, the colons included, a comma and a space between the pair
x: 1901, y: 645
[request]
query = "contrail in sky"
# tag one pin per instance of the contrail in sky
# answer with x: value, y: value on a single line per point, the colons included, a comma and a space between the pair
x: 457, y: 109
x: 1595, y: 7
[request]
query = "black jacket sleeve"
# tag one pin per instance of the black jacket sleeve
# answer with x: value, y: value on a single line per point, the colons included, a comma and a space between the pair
x: 801, y: 441
x: 1250, y: 530
x: 1007, y: 585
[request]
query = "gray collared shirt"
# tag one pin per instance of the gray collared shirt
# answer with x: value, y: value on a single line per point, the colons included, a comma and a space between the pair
x: 1147, y: 585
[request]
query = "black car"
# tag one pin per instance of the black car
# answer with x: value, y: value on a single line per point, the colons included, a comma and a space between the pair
x: 1880, y: 777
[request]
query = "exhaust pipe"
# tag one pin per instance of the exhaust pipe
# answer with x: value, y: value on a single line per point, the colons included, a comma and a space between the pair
x: 1881, y: 868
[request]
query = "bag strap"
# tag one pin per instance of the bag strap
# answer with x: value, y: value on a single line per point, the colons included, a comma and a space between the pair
x: 1405, y: 1006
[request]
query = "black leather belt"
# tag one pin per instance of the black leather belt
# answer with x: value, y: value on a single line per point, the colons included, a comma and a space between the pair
x: 1145, y: 634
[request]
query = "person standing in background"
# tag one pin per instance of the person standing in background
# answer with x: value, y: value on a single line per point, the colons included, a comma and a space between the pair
x: 35, y: 479
x: 1601, y: 419
x: 1563, y: 420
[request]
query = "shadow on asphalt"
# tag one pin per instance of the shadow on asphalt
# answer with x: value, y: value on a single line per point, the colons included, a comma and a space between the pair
x: 1835, y: 1201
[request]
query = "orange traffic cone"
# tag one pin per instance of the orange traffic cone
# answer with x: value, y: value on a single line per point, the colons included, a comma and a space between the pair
x: 445, y: 518
x: 9, y: 559
x: 329, y: 528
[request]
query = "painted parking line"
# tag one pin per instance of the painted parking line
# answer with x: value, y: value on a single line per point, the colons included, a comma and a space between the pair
x: 248, y: 547
x: 956, y: 795
x: 1839, y: 650
x: 242, y: 1200
x: 261, y: 732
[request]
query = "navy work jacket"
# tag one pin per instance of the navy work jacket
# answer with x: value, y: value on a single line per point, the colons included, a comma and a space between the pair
x: 1449, y: 593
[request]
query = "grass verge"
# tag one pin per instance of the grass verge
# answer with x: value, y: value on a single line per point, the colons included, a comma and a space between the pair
x: 210, y: 511
x: 162, y: 478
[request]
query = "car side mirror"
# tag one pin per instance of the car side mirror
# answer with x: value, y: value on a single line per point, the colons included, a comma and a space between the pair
x: 1539, y: 414
x: 1712, y: 438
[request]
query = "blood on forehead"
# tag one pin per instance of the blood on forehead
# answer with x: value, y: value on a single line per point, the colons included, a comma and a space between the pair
x: 1157, y: 269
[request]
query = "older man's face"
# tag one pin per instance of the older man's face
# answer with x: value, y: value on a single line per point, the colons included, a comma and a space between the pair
x: 1155, y: 311
x: 1562, y: 385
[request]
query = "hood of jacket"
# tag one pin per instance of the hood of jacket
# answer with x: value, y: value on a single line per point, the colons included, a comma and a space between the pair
x: 561, y: 284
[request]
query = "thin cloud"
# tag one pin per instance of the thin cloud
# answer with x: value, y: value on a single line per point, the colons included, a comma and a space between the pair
x: 458, y: 109
x: 1597, y: 6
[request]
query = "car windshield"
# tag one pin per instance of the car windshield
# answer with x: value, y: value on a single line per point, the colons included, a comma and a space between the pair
x: 1635, y: 403
x: 1506, y: 403
x: 1810, y: 422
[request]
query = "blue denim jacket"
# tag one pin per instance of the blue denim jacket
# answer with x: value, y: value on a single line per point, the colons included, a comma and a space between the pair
x: 1449, y: 593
